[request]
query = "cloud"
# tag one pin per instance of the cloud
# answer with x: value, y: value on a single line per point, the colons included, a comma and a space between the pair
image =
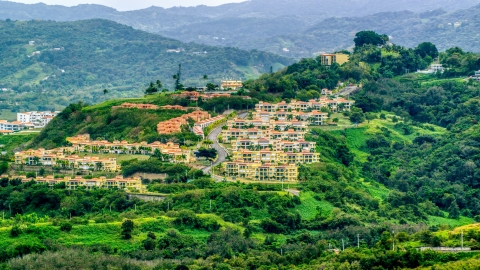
x: 132, y: 5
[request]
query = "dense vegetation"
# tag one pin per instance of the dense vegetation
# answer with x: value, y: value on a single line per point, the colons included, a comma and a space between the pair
x: 303, y: 27
x: 78, y: 60
x: 402, y: 179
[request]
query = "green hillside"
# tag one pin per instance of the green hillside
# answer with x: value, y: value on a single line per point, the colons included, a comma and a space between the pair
x: 397, y: 172
x: 74, y: 61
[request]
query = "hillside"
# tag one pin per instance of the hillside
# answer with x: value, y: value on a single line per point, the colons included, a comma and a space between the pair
x: 71, y: 61
x: 406, y: 28
x: 398, y: 171
x: 251, y: 24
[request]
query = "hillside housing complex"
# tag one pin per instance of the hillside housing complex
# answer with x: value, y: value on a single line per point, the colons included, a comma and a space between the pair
x: 131, y: 184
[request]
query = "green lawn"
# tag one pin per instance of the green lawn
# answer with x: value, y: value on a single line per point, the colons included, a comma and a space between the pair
x: 308, y: 207
x: 432, y: 220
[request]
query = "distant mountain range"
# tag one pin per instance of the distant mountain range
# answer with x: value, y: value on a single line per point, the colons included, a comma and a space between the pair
x: 46, y: 64
x: 294, y: 28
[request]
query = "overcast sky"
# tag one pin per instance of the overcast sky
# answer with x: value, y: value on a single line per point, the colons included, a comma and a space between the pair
x: 132, y: 4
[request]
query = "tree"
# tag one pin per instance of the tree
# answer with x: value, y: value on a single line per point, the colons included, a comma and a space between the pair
x: 127, y: 229
x: 211, y: 86
x: 105, y: 91
x: 207, y: 153
x: 369, y: 37
x: 149, y: 243
x: 427, y: 49
x: 454, y: 210
x: 357, y: 115
x: 152, y: 88
x: 159, y: 84
x: 177, y: 78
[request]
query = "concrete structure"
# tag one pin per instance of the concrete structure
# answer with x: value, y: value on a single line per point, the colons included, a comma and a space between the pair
x: 271, y: 124
x: 261, y: 172
x: 327, y: 59
x: 140, y: 106
x: 56, y: 157
x: 38, y: 119
x: 129, y: 184
x: 256, y: 134
x: 194, y: 96
x: 336, y: 104
x: 9, y: 127
x: 199, y: 127
x: 274, y: 145
x: 231, y: 85
x: 313, y: 117
x: 267, y: 156
x: 82, y: 143
x: 175, y: 125
x: 477, y: 76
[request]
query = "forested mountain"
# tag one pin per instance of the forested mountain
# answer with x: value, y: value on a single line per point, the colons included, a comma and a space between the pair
x: 405, y: 28
x: 298, y: 26
x: 49, y: 64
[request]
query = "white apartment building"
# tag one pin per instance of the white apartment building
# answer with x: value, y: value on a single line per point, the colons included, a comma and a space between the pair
x: 14, y: 126
x: 38, y: 119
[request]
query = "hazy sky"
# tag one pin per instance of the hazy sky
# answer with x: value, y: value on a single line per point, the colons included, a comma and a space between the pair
x: 132, y: 4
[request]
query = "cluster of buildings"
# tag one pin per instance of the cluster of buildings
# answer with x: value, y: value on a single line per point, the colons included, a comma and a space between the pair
x: 131, y: 184
x: 82, y: 143
x: 271, y: 145
x: 140, y: 106
x: 335, y: 104
x: 62, y: 158
x: 201, y: 118
x: 27, y: 120
x: 38, y: 119
x: 11, y: 127
x: 194, y: 95
x: 69, y: 158
x: 144, y: 106
x: 174, y: 125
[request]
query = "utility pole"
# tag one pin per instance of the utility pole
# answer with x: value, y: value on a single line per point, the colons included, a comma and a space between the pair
x: 343, y: 245
x: 462, y: 239
x: 358, y: 240
x: 210, y: 204
x: 393, y: 240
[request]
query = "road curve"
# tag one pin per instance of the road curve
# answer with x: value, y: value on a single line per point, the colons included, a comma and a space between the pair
x: 222, y: 153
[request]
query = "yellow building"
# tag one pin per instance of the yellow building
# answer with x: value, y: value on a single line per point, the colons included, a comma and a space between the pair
x: 57, y: 157
x: 129, y: 184
x: 231, y: 85
x: 280, y: 157
x: 82, y: 143
x: 328, y: 59
x: 261, y: 172
x: 273, y: 145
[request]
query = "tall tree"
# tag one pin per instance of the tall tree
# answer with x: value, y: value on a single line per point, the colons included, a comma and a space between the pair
x: 177, y: 77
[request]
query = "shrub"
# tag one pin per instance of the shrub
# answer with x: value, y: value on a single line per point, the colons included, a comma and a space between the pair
x: 15, y: 231
x: 127, y: 229
x: 65, y: 227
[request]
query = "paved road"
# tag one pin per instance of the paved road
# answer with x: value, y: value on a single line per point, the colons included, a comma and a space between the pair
x: 348, y: 90
x: 222, y: 154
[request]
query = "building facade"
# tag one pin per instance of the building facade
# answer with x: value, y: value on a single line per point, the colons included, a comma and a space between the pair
x: 262, y: 172
x: 38, y: 119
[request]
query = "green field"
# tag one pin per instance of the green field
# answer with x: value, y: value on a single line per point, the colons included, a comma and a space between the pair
x: 308, y: 208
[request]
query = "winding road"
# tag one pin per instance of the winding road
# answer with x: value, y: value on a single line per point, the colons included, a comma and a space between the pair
x: 222, y: 153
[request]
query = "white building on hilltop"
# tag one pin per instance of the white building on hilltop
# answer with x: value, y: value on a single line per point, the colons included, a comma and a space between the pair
x: 38, y: 119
